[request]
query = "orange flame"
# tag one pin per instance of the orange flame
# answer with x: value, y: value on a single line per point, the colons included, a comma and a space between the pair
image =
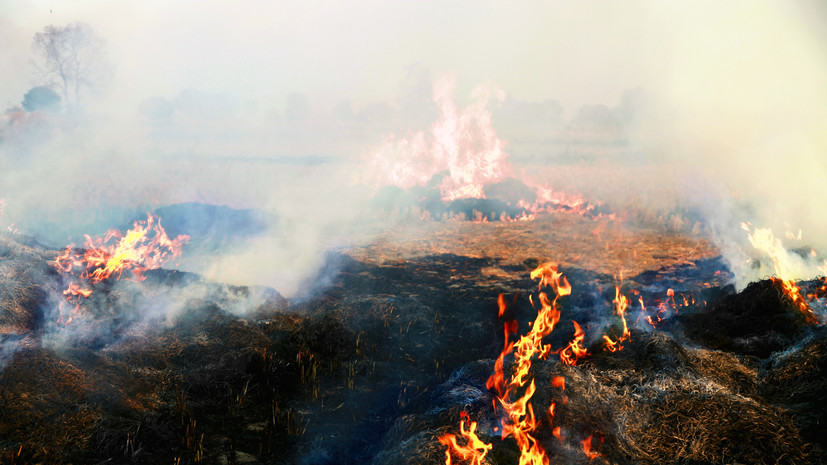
x: 520, y: 421
x: 559, y: 382
x: 620, y: 304
x: 75, y: 290
x: 587, y: 448
x: 475, y: 449
x: 575, y: 350
x: 549, y: 276
x: 762, y: 239
x: 144, y: 247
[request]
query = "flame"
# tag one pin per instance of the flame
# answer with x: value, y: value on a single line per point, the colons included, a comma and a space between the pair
x: 762, y: 239
x: 75, y: 290
x: 620, y: 304
x: 462, y: 141
x: 463, y: 144
x: 575, y: 350
x: 549, y: 276
x: 2, y: 207
x: 559, y: 382
x: 501, y: 304
x: 475, y: 449
x: 664, y: 306
x: 587, y: 448
x: 515, y: 391
x: 550, y: 201
x: 144, y: 247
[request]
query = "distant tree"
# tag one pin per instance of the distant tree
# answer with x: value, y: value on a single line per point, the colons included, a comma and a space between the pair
x: 71, y: 59
x: 41, y: 98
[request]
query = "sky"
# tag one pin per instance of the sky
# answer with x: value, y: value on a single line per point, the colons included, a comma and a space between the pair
x: 574, y: 52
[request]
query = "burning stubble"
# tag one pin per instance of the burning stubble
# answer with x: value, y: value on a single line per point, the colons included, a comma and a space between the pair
x: 350, y: 262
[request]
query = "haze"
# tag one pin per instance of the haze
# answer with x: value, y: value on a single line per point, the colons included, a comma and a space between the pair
x: 736, y: 101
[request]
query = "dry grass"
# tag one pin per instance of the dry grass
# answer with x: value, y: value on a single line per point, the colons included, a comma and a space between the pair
x: 603, y: 246
x: 22, y: 271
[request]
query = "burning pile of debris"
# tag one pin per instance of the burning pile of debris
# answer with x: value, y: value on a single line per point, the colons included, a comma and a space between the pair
x: 427, y: 349
x: 506, y: 201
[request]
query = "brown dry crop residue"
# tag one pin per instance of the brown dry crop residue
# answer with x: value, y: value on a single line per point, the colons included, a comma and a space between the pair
x: 603, y: 246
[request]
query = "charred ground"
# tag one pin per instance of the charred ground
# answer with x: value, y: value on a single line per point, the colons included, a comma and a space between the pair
x: 375, y: 367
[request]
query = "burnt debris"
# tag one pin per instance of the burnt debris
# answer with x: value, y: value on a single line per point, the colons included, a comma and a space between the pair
x: 374, y: 369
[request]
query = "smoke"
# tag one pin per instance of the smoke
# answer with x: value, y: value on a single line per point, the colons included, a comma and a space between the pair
x: 742, y: 108
x: 728, y: 118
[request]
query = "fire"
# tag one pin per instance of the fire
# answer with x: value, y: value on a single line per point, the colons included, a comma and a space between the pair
x: 144, y: 247
x: 549, y: 276
x: 75, y: 290
x: 461, y: 142
x: 475, y: 449
x: 620, y: 304
x: 2, y: 207
x: 587, y: 448
x: 550, y: 201
x: 515, y: 391
x: 762, y: 239
x: 575, y: 350
x: 463, y: 145
x: 516, y: 387
x: 664, y: 306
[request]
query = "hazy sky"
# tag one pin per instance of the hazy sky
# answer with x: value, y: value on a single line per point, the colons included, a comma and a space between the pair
x: 739, y: 89
x: 575, y: 52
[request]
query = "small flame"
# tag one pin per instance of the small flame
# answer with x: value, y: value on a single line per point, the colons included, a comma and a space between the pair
x: 620, y: 304
x: 75, y: 290
x: 575, y: 350
x: 587, y: 448
x: 474, y: 449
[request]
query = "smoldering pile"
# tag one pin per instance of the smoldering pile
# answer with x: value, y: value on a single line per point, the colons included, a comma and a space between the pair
x: 506, y: 200
x: 380, y: 365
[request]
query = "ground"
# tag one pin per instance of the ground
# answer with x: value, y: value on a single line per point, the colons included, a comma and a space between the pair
x: 401, y: 339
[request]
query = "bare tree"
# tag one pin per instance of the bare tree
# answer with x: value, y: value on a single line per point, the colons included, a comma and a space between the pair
x: 71, y: 59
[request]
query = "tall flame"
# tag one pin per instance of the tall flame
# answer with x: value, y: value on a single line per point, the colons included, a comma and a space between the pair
x: 620, y: 304
x: 515, y: 391
x: 461, y: 142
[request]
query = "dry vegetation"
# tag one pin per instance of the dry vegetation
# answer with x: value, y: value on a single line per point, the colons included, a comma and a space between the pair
x: 382, y: 362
